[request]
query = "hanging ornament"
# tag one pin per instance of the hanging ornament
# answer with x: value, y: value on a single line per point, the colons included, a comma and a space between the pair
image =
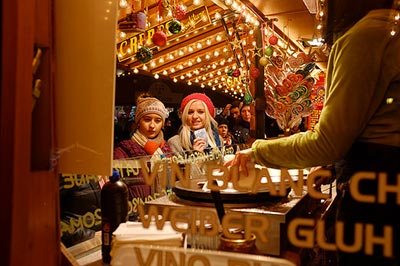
x: 179, y: 12
x: 144, y: 54
x: 245, y: 80
x: 269, y: 50
x: 273, y: 40
x: 230, y: 72
x: 236, y: 73
x: 175, y: 26
x: 254, y: 72
x: 247, y: 96
x: 159, y: 38
x: 263, y: 61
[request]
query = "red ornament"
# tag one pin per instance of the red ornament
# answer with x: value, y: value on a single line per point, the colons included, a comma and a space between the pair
x: 273, y: 40
x: 255, y: 72
x: 236, y: 73
x: 159, y: 38
x: 179, y: 12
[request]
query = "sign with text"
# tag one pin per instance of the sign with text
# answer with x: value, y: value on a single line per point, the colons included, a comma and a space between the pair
x: 194, y: 20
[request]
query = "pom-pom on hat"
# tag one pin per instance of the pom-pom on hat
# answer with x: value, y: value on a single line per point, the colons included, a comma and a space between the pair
x: 149, y: 105
x: 201, y: 97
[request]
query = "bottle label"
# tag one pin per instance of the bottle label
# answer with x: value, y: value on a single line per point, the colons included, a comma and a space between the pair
x: 106, y: 234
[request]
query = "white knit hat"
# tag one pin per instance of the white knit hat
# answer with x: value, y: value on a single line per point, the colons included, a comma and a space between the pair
x: 150, y: 105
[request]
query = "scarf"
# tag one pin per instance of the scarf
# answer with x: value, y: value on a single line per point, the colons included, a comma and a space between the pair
x: 153, y: 146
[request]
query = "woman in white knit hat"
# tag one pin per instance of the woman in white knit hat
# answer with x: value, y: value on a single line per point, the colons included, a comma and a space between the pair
x: 147, y: 140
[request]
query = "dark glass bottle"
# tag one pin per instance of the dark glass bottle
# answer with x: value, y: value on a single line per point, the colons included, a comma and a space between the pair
x: 114, y: 210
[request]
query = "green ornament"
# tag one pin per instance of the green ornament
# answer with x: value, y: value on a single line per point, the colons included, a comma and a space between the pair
x: 175, y: 26
x: 144, y: 54
x: 269, y: 50
x: 230, y: 72
x: 247, y: 98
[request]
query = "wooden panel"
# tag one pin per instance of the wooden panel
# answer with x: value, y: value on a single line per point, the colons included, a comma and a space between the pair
x: 29, y: 200
x: 85, y: 81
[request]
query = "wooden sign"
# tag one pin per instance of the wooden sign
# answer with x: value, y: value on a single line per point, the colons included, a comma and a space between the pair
x: 194, y: 20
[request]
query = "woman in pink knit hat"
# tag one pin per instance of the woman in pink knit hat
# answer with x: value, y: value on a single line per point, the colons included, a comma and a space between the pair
x: 199, y: 131
x: 147, y: 140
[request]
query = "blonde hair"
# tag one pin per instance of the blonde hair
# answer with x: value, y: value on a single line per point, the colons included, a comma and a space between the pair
x: 184, y: 133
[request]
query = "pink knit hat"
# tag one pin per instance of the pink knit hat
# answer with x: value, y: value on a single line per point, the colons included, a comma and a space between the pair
x: 201, y: 97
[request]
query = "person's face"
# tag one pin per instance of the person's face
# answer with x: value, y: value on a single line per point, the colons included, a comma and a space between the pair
x: 235, y: 112
x: 150, y: 125
x: 223, y: 130
x: 246, y: 114
x: 196, y: 115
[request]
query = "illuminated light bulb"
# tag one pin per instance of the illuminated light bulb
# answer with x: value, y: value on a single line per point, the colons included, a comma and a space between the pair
x: 216, y: 53
x: 209, y: 84
x: 156, y: 76
x: 198, y: 60
x: 161, y: 60
x: 175, y: 80
x: 392, y: 32
x: 196, y: 80
x: 182, y: 77
x: 220, y: 86
x: 123, y: 4
x: 208, y: 42
x: 190, y: 63
x: 129, y: 50
x: 181, y: 53
x: 235, y: 6
x: 152, y: 64
x: 196, y: 2
x: 207, y: 57
x: 218, y: 38
x: 180, y: 67
x: 204, y: 78
x: 319, y: 26
x: 189, y: 83
x: 135, y: 70
x: 202, y: 85
x: 228, y: 2
x: 190, y: 49
x: 217, y: 16
x: 213, y: 88
x: 172, y: 70
x: 226, y: 91
x: 145, y: 67
x: 122, y: 34
x: 165, y: 72
x: 199, y: 46
x: 171, y: 56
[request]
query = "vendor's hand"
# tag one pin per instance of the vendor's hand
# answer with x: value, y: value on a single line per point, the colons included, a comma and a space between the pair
x: 199, y: 144
x: 241, y: 158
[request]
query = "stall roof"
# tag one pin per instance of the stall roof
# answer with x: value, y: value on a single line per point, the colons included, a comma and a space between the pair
x: 216, y: 38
